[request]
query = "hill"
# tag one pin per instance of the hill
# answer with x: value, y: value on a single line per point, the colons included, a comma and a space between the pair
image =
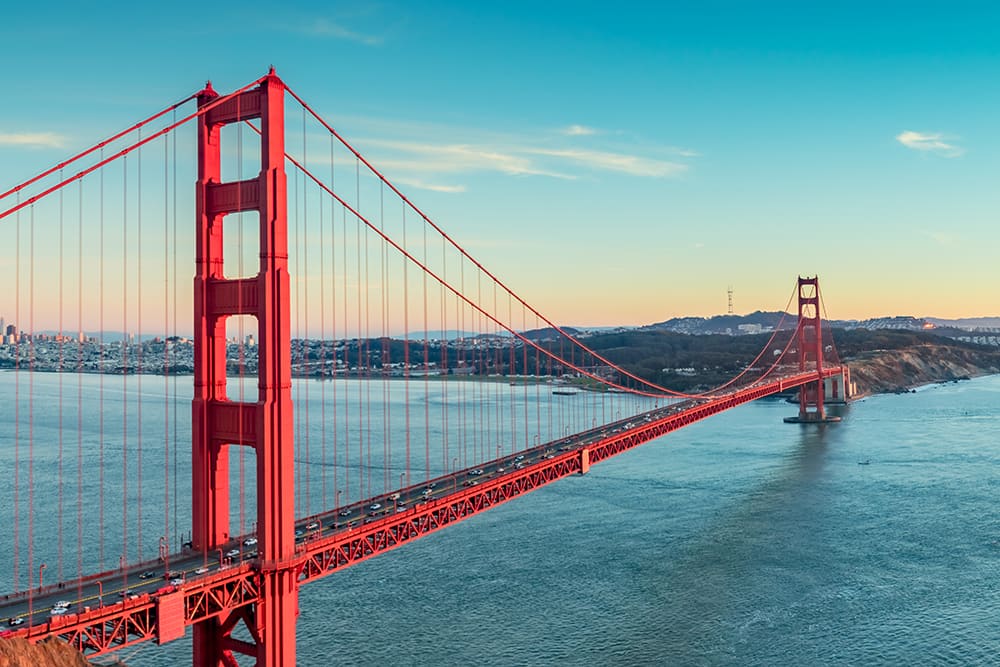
x: 881, y: 360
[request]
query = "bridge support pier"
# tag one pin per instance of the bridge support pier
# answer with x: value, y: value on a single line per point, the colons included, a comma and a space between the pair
x: 584, y: 461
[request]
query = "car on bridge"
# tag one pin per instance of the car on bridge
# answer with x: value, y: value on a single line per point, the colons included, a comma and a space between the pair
x: 15, y: 621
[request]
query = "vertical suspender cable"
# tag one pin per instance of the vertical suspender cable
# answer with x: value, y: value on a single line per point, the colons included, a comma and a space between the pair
x: 322, y: 350
x: 463, y: 360
x: 427, y: 343
x: 31, y: 398
x: 167, y: 371
x: 296, y: 387
x: 445, y: 357
x: 384, y: 357
x: 17, y: 401
x: 361, y: 347
x: 368, y: 359
x: 304, y: 333
x: 61, y: 342
x: 79, y: 394
x: 347, y: 364
x: 406, y: 345
x: 333, y: 322
x: 174, y: 402
x: 139, y: 350
x: 124, y: 358
x: 100, y: 376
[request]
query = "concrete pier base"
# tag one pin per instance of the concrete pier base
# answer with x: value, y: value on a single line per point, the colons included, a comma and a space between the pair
x: 812, y: 418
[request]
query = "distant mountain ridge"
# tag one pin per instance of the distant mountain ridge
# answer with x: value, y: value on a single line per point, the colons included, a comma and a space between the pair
x: 765, y: 321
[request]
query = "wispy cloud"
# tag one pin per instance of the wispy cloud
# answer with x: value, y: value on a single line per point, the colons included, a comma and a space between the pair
x: 941, y: 238
x: 33, y: 139
x: 444, y: 154
x: 628, y: 164
x: 930, y: 143
x: 433, y: 187
x: 322, y: 27
x: 459, y: 158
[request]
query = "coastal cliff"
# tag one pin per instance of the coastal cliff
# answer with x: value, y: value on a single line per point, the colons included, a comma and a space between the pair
x: 18, y: 652
x: 887, y: 371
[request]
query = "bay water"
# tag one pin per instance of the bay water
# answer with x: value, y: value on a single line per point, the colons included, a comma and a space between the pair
x: 740, y: 540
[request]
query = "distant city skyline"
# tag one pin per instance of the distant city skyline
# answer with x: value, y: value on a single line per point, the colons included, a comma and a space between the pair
x: 613, y: 166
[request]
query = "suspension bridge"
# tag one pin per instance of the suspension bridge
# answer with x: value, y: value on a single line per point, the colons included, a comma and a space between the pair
x: 359, y: 380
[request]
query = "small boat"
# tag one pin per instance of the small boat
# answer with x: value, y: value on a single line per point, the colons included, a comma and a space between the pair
x: 564, y: 392
x: 865, y: 462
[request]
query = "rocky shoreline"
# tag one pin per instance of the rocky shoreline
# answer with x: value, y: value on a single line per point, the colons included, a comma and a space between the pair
x: 899, y: 371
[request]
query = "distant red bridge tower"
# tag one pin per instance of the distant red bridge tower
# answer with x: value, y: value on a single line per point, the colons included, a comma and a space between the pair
x: 809, y: 344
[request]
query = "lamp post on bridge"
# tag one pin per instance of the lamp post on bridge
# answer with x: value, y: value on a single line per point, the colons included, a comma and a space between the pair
x: 100, y: 593
x: 41, y: 568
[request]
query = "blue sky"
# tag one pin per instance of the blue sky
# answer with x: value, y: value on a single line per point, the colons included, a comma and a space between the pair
x: 613, y: 163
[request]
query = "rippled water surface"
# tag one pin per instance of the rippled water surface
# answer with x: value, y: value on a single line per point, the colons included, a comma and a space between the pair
x: 737, y: 541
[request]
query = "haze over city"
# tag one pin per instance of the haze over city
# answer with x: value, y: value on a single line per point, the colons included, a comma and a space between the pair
x: 613, y: 167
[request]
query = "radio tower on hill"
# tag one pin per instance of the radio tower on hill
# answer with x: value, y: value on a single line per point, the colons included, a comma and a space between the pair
x: 729, y: 293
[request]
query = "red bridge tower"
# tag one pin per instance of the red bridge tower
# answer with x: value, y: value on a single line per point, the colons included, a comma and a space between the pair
x: 265, y: 425
x: 809, y: 341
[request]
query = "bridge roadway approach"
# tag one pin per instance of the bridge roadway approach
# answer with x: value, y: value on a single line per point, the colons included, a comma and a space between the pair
x: 157, y: 600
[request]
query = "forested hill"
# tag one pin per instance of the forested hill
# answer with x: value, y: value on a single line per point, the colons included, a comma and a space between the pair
x: 881, y: 360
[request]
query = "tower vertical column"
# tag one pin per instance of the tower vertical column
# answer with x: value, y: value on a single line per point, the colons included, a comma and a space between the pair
x: 266, y: 425
x: 277, y: 611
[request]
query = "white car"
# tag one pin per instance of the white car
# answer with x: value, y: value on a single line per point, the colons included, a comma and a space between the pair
x: 250, y: 541
x: 62, y: 604
x: 374, y: 507
x: 201, y: 570
x: 312, y: 526
x: 58, y: 611
x: 232, y: 553
x: 176, y: 582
